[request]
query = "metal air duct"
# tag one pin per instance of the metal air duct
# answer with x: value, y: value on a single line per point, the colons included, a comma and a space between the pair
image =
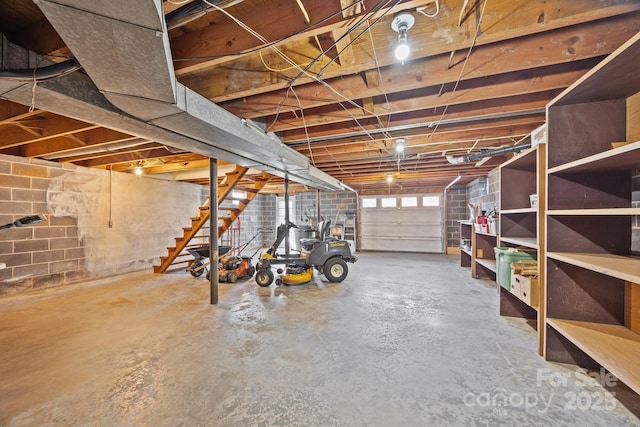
x: 123, y: 46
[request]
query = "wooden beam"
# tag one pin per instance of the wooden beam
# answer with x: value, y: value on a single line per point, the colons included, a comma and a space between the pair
x: 42, y: 38
x: 10, y: 112
x: 588, y: 41
x: 425, y: 136
x: 144, y: 153
x: 512, y: 106
x: 497, y: 86
x: 343, y: 48
x: 219, y: 40
x: 91, y: 138
x: 437, y: 37
x: 40, y: 127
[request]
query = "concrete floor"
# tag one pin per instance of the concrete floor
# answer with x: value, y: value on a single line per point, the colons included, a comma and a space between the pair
x: 406, y: 340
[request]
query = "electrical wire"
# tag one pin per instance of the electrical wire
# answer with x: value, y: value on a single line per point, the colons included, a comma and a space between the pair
x: 305, y: 71
x: 304, y: 123
x: 331, y: 90
x: 278, y: 70
x: 377, y: 7
x: 464, y: 64
x: 307, y: 20
x: 259, y: 48
x: 336, y: 94
x: 421, y: 10
x: 364, y: 18
x: 386, y: 98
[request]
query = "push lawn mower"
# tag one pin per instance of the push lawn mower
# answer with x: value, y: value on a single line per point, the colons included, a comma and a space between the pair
x: 234, y: 267
x: 327, y: 255
x: 201, y: 254
x: 231, y: 267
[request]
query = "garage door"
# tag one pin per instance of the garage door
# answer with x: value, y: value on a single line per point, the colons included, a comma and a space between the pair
x: 402, y: 223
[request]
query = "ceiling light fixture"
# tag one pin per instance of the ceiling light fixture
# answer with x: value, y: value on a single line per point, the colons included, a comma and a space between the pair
x: 389, y: 178
x: 400, y: 145
x: 137, y: 170
x: 401, y: 24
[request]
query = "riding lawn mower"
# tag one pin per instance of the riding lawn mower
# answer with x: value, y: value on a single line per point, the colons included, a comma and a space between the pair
x: 327, y: 255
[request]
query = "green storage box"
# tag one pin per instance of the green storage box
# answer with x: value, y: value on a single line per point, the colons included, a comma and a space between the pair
x: 504, y: 258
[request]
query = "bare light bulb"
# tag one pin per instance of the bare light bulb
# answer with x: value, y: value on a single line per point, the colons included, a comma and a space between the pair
x: 137, y: 170
x: 402, y: 51
x: 401, y: 24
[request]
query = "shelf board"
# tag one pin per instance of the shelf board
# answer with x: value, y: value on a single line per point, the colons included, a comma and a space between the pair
x: 488, y: 263
x: 595, y: 212
x: 621, y: 267
x: 518, y: 211
x: 615, y: 347
x: 607, y: 80
x: 486, y: 234
x: 466, y: 251
x: 616, y: 159
x: 529, y: 242
x: 525, y: 159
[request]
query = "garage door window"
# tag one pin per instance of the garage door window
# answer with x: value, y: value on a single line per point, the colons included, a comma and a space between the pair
x: 369, y: 203
x: 431, y: 201
x: 409, y: 202
x: 388, y: 202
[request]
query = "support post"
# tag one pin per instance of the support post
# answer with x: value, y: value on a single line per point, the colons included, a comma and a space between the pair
x: 286, y: 215
x: 213, y: 230
x: 317, y: 207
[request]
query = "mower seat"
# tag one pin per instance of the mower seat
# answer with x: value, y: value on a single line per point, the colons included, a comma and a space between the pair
x: 309, y: 243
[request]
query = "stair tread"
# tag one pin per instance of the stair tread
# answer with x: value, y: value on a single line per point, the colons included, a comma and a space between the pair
x: 237, y: 180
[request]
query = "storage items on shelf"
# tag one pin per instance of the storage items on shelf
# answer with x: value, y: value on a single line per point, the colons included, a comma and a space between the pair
x: 505, y: 256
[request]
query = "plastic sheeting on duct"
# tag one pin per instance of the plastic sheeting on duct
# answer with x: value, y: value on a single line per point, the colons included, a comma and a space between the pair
x: 487, y: 153
x: 124, y: 48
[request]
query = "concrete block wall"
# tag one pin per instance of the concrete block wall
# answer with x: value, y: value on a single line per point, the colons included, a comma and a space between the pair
x: 333, y: 206
x: 99, y: 223
x: 457, y: 210
x: 258, y: 220
x: 486, y: 191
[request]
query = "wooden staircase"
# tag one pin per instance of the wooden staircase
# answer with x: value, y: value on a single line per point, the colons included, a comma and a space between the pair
x: 235, y: 181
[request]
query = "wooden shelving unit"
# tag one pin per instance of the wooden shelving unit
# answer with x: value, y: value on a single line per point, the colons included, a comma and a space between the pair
x: 522, y: 226
x: 466, y: 230
x: 592, y: 280
x: 612, y: 346
x: 483, y: 258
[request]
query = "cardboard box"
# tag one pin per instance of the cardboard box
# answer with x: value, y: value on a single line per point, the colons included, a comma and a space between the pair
x: 524, y: 268
x: 505, y: 257
x: 525, y: 288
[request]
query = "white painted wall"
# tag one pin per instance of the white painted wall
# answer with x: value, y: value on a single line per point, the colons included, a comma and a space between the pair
x: 77, y: 242
x: 145, y: 213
